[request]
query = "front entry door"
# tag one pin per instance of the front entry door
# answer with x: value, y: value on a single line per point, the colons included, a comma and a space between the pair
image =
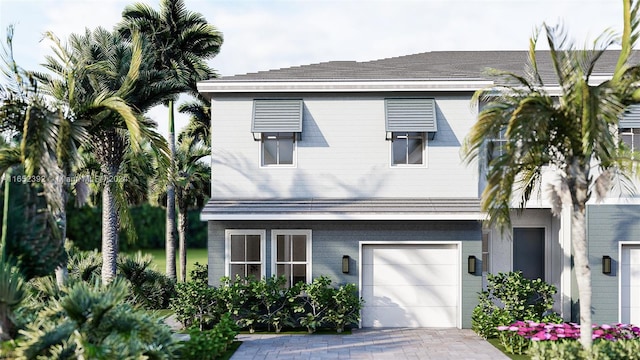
x: 529, y: 252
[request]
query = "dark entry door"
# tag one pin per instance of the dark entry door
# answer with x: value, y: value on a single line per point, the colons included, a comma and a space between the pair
x: 529, y: 252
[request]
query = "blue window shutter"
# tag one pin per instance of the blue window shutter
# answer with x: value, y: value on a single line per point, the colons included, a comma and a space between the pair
x: 631, y: 117
x: 411, y: 115
x: 277, y: 116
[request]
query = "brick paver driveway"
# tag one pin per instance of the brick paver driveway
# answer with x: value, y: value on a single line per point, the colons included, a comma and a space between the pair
x: 397, y: 344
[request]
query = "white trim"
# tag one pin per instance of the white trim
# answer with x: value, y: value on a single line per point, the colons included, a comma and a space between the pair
x: 266, y: 86
x: 460, y: 272
x: 274, y: 244
x: 350, y: 216
x: 621, y: 244
x: 227, y: 247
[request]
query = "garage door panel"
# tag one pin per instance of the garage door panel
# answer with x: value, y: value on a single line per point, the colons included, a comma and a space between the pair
x: 410, y: 295
x: 391, y: 316
x: 410, y: 285
x: 410, y: 274
x: 439, y: 255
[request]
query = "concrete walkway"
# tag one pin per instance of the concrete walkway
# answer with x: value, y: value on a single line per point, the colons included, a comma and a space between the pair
x: 396, y: 344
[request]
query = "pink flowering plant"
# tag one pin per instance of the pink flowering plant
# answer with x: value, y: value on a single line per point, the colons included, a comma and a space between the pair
x: 516, y: 337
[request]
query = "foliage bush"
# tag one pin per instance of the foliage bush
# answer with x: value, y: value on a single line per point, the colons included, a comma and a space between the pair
x: 149, y: 288
x: 267, y: 303
x: 519, y: 336
x: 573, y: 350
x: 210, y: 344
x: 95, y: 322
x: 510, y: 297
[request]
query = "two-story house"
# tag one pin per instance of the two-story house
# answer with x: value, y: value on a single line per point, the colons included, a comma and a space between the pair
x: 353, y: 170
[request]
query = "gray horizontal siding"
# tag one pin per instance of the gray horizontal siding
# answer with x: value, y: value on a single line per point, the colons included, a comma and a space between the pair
x: 277, y: 116
x: 413, y: 115
x: 631, y: 117
x: 607, y: 225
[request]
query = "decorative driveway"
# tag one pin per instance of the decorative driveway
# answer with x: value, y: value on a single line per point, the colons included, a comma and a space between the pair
x: 396, y: 344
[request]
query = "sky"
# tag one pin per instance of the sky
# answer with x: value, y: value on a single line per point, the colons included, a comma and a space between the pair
x: 270, y: 34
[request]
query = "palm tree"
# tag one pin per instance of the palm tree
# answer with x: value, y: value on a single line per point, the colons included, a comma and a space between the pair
x: 199, y: 126
x: 181, y: 40
x: 572, y: 134
x: 102, y: 79
x: 43, y: 143
x: 193, y: 188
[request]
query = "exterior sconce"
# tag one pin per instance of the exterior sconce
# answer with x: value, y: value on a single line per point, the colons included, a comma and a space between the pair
x: 345, y: 264
x: 606, y: 264
x: 257, y: 136
x: 471, y: 264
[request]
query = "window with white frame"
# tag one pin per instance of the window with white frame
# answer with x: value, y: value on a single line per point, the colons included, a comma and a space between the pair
x: 278, y: 149
x: 291, y: 254
x: 631, y: 137
x: 407, y: 148
x: 244, y: 253
x: 495, y: 147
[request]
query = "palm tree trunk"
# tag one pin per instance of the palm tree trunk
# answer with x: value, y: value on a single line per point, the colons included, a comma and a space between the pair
x: 109, y: 150
x: 171, y: 202
x: 110, y: 224
x: 61, y: 272
x: 182, y: 238
x: 581, y: 257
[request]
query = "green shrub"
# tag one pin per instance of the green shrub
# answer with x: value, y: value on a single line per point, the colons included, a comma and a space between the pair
x: 266, y: 303
x: 149, y: 288
x: 510, y: 297
x: 345, y: 309
x: 210, y: 344
x: 316, y: 299
x: 573, y: 350
x: 95, y: 322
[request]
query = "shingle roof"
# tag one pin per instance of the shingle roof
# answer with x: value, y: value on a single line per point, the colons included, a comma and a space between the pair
x: 326, y: 209
x: 436, y: 65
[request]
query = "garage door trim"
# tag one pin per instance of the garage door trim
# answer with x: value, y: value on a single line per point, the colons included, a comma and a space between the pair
x: 458, y: 245
x: 621, y: 245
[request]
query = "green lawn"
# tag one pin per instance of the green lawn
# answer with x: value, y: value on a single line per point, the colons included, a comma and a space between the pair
x: 193, y: 256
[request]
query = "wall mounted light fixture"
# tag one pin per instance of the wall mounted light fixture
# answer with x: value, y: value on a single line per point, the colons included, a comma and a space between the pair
x: 606, y: 264
x: 471, y: 264
x: 345, y: 264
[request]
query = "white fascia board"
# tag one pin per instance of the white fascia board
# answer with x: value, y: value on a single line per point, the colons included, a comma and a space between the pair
x: 328, y: 216
x: 341, y: 86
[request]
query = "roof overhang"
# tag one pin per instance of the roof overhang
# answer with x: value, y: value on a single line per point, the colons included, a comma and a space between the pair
x: 344, y: 209
x: 209, y: 88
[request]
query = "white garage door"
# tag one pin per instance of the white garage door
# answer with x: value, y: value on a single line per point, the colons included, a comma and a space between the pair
x: 630, y: 279
x: 412, y: 285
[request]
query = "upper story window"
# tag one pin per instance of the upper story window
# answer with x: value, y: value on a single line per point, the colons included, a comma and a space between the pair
x: 277, y: 123
x: 495, y: 146
x: 631, y: 137
x: 409, y: 122
x: 407, y: 148
x: 629, y: 127
x: 278, y: 149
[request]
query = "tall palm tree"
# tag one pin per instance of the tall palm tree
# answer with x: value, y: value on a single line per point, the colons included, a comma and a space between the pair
x: 199, y: 126
x: 572, y: 134
x: 102, y: 79
x: 43, y: 143
x: 193, y: 188
x: 181, y: 40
